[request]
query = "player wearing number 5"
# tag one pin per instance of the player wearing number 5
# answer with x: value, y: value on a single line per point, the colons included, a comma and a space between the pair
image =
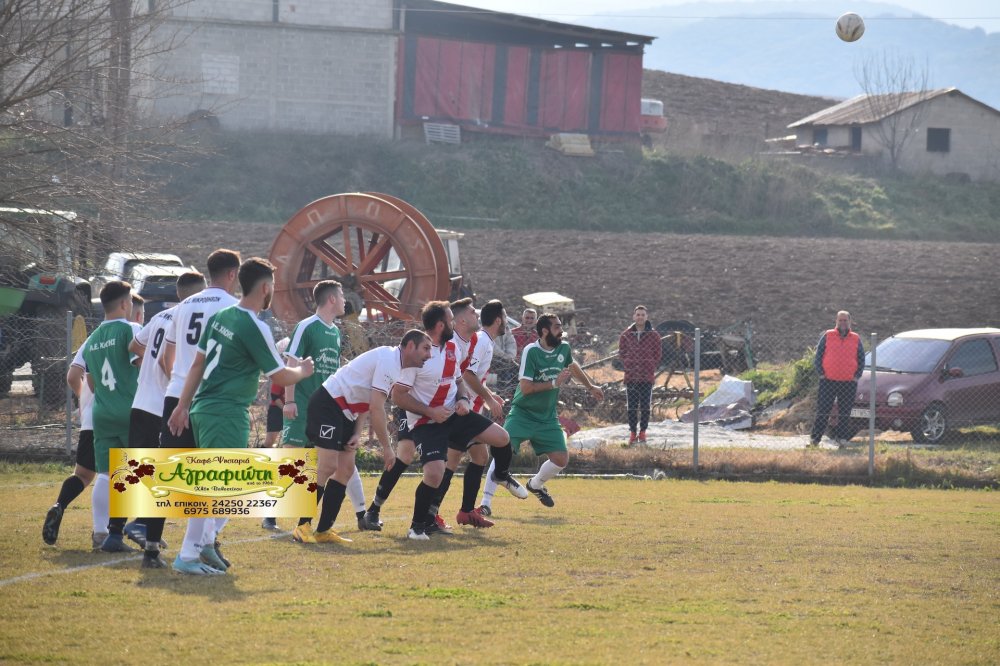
x: 182, y: 336
x: 223, y: 381
x: 113, y: 379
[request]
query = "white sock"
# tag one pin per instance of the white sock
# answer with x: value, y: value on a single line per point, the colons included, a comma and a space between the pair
x: 213, y: 529
x: 356, y: 492
x: 547, y: 471
x: 489, y: 486
x: 194, y: 538
x: 100, y: 503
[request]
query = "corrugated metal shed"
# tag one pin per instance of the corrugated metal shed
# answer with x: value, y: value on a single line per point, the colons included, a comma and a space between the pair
x: 862, y: 111
x: 495, y: 72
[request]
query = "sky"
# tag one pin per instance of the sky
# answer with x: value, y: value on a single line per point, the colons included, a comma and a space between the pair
x: 966, y: 13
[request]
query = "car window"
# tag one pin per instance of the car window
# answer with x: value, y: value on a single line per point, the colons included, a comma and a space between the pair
x: 974, y: 357
x: 909, y: 354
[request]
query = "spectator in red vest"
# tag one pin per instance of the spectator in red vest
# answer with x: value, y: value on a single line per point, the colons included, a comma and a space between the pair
x: 840, y: 360
x: 639, y: 349
x: 525, y: 334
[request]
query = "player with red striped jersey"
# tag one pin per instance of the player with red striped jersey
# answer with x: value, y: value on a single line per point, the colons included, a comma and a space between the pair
x: 337, y: 411
x: 477, y: 348
x: 439, y: 416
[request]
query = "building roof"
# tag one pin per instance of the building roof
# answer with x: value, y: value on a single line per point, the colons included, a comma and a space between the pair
x: 860, y: 111
x: 444, y: 19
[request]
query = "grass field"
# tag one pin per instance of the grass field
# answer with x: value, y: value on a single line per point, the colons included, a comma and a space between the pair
x: 619, y: 571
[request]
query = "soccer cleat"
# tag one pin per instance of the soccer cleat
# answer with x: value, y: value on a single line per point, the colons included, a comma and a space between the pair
x: 195, y: 568
x: 485, y: 510
x: 642, y: 437
x: 542, y: 494
x: 269, y: 524
x: 417, y: 534
x: 631, y: 438
x: 115, y: 543
x: 330, y: 536
x: 50, y: 528
x: 218, y: 553
x: 369, y: 521
x: 212, y: 559
x: 442, y: 526
x: 473, y: 519
x: 152, y: 560
x: 511, y: 484
x: 97, y: 539
x: 303, y: 534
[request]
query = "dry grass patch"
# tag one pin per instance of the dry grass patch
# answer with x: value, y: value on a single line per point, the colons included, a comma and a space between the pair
x: 619, y: 571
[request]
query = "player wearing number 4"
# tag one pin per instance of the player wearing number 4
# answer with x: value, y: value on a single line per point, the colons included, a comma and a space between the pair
x: 234, y: 349
x: 113, y: 378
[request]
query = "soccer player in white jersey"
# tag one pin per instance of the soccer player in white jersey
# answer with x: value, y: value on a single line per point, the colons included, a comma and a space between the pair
x: 222, y: 383
x: 318, y: 337
x: 189, y: 321
x: 338, y: 410
x: 146, y: 419
x: 438, y: 417
x: 476, y: 348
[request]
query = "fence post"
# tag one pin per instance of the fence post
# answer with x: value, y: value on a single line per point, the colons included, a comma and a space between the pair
x: 69, y: 392
x: 871, y: 410
x: 697, y: 393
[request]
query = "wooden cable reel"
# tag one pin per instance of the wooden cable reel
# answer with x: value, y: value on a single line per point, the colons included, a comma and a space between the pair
x: 383, y: 250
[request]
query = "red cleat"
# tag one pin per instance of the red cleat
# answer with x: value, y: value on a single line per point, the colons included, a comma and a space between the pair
x: 473, y: 518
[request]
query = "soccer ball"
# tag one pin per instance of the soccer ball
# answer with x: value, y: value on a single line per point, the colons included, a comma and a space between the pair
x: 850, y: 27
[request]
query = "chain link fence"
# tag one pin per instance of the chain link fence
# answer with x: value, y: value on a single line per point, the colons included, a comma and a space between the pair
x: 752, y: 392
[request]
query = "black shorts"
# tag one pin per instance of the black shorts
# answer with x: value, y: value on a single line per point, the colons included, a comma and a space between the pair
x: 167, y: 438
x: 85, y: 451
x: 403, y: 431
x: 434, y: 439
x: 275, y: 419
x: 144, y: 429
x: 326, y: 425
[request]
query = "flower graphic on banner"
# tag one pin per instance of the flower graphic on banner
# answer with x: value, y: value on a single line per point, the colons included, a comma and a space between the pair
x: 130, y: 472
x: 297, y: 472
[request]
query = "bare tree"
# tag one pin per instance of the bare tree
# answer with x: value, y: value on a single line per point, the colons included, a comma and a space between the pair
x: 894, y: 88
x: 73, y: 128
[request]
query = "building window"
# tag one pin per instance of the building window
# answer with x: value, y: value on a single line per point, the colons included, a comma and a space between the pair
x: 938, y: 140
x: 856, y: 139
x: 819, y: 136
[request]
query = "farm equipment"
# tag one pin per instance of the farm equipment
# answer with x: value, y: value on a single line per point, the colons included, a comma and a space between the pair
x: 389, y: 257
x: 38, y: 284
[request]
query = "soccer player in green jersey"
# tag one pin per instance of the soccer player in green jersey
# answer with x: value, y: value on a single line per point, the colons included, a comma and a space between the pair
x: 546, y: 364
x: 232, y: 352
x: 113, y: 379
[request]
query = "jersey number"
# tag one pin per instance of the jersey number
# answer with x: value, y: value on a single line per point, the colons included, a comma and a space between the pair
x: 194, y: 328
x: 157, y: 342
x: 108, y: 376
x: 213, y: 354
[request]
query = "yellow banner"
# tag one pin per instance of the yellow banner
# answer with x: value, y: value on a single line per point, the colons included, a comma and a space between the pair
x: 213, y: 483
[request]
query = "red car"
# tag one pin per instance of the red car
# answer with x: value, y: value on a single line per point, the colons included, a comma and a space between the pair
x: 931, y: 381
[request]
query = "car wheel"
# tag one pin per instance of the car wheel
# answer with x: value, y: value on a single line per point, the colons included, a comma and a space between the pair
x: 933, y: 427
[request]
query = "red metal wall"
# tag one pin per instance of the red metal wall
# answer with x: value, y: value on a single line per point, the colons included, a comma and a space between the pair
x: 518, y: 89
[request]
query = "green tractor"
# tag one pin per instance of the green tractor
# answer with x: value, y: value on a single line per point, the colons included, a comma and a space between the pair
x: 38, y: 284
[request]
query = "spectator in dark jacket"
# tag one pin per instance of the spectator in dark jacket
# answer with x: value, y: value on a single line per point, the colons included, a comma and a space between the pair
x: 839, y: 361
x: 639, y: 349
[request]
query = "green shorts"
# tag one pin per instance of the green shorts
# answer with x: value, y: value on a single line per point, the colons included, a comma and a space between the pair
x: 103, y: 443
x: 294, y: 432
x: 217, y: 431
x: 545, y: 437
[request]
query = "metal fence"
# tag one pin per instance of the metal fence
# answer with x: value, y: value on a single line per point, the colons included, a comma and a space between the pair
x: 914, y: 390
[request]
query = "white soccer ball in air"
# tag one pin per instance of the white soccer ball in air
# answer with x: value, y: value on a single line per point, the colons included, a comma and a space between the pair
x: 850, y: 27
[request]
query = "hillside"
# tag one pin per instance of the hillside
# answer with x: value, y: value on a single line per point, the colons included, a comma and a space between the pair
x: 704, y: 105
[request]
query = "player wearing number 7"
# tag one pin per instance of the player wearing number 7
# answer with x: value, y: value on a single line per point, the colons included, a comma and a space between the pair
x: 223, y: 381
